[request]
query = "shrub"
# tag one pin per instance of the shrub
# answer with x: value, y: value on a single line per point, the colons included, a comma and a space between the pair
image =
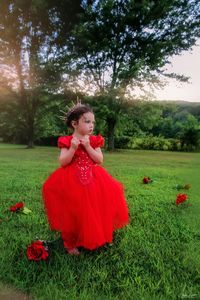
x: 156, y: 143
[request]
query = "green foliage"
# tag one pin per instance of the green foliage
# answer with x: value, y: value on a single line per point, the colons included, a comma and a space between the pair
x: 120, y: 45
x: 12, y: 123
x: 154, y: 143
x: 108, y: 46
x: 122, y: 142
x: 155, y: 257
x: 189, y: 132
x: 128, y: 40
x: 191, y: 138
x: 108, y: 109
x: 30, y: 55
x: 158, y: 126
x: 141, y: 117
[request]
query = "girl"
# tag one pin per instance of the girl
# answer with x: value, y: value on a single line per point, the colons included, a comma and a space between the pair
x: 82, y: 200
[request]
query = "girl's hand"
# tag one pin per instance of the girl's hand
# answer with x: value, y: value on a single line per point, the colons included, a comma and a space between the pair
x: 85, y: 141
x: 75, y: 143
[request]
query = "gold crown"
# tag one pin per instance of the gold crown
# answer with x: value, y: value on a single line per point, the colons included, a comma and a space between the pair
x: 71, y: 109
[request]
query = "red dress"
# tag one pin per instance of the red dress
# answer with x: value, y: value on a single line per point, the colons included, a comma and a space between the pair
x: 83, y: 201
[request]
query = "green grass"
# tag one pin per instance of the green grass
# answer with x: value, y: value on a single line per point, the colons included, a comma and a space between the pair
x: 155, y: 257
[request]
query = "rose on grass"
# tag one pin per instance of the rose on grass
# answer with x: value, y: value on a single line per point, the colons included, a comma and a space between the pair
x: 17, y: 207
x: 37, y: 251
x: 180, y: 198
x: 146, y: 180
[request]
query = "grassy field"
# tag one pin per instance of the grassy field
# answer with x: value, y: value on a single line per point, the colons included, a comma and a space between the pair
x: 155, y: 257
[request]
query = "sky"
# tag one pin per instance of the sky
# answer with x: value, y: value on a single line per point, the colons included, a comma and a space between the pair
x: 188, y: 63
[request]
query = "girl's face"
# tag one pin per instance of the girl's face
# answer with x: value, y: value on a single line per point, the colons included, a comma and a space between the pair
x: 85, y: 125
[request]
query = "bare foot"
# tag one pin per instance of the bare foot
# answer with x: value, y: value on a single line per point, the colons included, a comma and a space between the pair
x: 73, y: 251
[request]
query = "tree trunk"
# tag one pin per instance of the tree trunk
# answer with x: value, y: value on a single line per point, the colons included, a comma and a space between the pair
x: 30, y: 132
x: 111, y: 131
x: 30, y: 141
x: 30, y: 144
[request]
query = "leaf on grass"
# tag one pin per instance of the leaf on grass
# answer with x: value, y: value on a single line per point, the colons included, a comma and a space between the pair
x: 26, y: 211
x: 183, y: 187
x: 179, y: 187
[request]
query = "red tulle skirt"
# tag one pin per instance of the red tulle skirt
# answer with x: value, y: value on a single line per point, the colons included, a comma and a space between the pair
x: 85, y: 214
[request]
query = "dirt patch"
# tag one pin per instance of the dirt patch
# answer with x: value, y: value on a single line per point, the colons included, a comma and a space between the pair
x: 7, y: 293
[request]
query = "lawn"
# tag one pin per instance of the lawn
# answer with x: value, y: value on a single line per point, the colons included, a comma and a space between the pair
x: 155, y: 257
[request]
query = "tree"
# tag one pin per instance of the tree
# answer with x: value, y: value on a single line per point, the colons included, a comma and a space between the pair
x: 30, y: 51
x: 190, y: 132
x: 122, y: 43
x: 108, y: 108
x: 9, y: 120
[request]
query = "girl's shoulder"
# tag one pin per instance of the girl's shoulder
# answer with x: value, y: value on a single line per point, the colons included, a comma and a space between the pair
x: 64, y: 141
x: 97, y: 141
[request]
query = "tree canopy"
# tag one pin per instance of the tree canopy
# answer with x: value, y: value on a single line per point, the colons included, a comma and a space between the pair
x: 105, y: 48
x: 29, y: 51
x: 121, y: 43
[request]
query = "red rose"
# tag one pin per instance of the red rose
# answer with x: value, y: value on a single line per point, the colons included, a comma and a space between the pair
x: 17, y: 206
x: 146, y: 180
x: 180, y: 198
x: 36, y: 251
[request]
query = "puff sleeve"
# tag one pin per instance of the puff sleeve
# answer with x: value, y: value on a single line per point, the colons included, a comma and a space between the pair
x: 64, y: 141
x: 97, y: 141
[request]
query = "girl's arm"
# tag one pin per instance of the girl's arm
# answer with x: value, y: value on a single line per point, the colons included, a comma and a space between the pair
x: 95, y: 154
x: 66, y: 155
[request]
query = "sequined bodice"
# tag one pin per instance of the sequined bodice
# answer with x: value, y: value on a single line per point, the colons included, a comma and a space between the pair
x: 83, y: 164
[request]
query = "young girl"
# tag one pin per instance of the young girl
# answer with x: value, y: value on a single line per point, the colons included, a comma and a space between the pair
x: 82, y: 200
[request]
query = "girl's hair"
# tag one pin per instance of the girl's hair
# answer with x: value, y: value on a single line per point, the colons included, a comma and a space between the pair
x: 75, y: 113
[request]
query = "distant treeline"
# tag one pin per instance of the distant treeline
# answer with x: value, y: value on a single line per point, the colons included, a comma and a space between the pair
x: 159, y: 125
x: 173, y: 125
